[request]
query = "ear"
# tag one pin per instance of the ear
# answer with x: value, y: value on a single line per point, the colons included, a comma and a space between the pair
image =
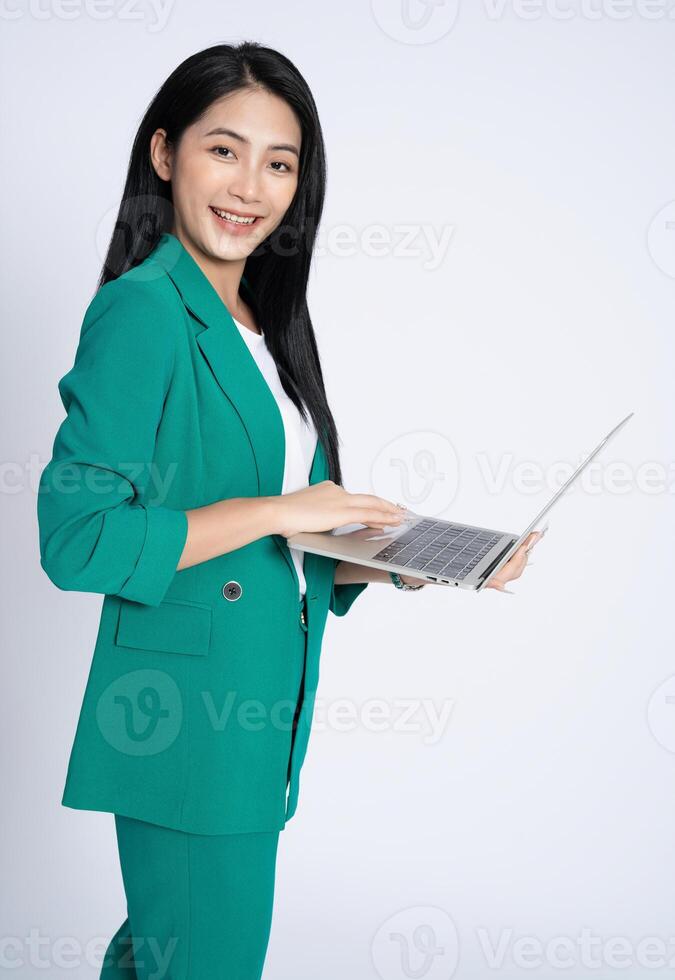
x: 161, y: 155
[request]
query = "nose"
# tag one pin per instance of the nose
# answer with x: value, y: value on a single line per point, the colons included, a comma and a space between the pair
x: 245, y: 185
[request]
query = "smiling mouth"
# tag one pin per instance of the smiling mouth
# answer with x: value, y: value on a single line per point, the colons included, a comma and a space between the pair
x: 235, y: 219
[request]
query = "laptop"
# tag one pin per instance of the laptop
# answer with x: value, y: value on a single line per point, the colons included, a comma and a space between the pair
x: 445, y: 552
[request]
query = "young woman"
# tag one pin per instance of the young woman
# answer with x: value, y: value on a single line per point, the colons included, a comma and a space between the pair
x: 197, y: 438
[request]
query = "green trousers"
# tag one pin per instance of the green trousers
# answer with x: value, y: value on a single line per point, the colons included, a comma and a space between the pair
x: 199, y: 907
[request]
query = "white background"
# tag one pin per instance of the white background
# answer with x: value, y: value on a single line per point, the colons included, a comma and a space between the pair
x: 539, y: 138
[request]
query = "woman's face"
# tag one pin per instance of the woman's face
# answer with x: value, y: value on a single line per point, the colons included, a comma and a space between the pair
x: 242, y: 156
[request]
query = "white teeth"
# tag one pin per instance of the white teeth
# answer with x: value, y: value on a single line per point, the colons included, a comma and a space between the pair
x: 233, y: 217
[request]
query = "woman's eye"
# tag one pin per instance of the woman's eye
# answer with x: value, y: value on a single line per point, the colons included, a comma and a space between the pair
x: 222, y: 150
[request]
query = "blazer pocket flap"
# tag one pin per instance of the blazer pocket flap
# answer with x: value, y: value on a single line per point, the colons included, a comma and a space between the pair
x: 174, y: 626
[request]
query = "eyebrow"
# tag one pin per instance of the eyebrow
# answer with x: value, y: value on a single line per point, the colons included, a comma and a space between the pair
x: 221, y: 131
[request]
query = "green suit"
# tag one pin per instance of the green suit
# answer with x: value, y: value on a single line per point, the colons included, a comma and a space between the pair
x: 186, y: 717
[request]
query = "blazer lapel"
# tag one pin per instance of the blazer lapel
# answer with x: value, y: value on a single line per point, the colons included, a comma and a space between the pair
x: 236, y: 372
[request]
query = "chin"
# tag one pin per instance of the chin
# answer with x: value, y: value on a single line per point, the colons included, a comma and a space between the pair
x: 218, y: 247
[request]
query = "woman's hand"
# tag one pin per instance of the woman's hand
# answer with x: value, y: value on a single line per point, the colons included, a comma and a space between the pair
x: 516, y: 564
x: 324, y: 506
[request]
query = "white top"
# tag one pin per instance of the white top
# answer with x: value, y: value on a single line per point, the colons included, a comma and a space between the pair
x: 301, y: 436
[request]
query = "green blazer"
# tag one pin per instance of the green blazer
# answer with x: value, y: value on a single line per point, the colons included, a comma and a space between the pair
x: 166, y: 411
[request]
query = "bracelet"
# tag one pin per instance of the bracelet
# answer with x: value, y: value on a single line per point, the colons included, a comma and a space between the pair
x: 405, y: 586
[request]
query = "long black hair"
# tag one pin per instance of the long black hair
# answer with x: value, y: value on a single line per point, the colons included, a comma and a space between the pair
x: 278, y: 269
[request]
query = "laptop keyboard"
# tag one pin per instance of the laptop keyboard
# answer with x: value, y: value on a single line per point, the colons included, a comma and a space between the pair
x: 439, y: 548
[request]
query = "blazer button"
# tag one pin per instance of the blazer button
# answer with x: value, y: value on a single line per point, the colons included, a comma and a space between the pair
x: 232, y: 590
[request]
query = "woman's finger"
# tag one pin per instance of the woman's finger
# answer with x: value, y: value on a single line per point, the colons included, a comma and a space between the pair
x: 368, y: 501
x: 500, y: 588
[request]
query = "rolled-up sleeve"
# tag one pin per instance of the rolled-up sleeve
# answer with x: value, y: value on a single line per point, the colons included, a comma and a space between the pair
x: 342, y: 596
x: 98, y: 529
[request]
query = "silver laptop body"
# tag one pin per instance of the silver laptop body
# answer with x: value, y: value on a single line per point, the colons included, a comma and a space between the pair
x: 445, y: 552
